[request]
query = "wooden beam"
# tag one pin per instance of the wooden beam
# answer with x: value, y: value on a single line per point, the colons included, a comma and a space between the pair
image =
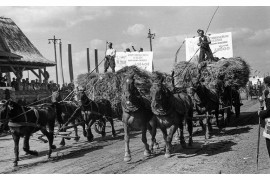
x: 12, y: 69
x: 39, y: 76
x: 88, y: 60
x: 8, y: 77
x: 41, y: 72
x: 34, y: 73
x: 25, y: 66
x: 70, y: 63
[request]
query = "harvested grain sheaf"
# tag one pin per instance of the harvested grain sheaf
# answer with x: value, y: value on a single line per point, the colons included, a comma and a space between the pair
x: 233, y: 71
x: 109, y: 85
x: 185, y: 74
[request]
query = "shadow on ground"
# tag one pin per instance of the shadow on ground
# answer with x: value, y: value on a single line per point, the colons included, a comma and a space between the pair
x: 206, y: 150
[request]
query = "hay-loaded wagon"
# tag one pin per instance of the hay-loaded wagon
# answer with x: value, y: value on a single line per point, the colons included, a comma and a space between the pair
x: 109, y: 86
x: 225, y: 77
x: 253, y: 93
x: 235, y: 73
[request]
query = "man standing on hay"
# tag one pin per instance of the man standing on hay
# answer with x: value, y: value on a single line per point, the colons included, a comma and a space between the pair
x: 204, y: 42
x: 110, y: 58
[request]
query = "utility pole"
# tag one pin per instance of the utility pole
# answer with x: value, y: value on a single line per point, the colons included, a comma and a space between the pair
x: 55, y: 41
x: 151, y: 36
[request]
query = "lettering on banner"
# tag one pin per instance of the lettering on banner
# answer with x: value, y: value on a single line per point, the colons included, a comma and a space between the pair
x: 142, y: 60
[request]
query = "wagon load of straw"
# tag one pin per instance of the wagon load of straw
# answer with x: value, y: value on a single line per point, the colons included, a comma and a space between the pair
x: 233, y: 72
x: 109, y: 85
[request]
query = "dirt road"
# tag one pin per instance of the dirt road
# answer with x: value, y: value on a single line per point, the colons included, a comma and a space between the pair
x: 232, y: 150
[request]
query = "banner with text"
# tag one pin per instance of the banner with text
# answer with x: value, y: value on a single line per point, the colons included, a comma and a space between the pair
x: 221, y: 46
x: 142, y: 60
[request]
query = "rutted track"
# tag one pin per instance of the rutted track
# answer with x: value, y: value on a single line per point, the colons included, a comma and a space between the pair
x: 232, y: 150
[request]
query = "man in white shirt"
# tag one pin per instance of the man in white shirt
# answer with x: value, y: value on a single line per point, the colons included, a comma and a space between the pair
x: 204, y: 42
x: 110, y: 58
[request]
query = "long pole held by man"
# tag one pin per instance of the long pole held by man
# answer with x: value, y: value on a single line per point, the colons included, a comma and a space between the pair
x: 259, y: 132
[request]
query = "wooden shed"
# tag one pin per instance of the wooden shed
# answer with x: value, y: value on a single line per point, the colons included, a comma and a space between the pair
x: 17, y: 53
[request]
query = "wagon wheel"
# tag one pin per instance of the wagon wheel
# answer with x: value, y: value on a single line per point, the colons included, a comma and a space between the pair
x: 98, y: 126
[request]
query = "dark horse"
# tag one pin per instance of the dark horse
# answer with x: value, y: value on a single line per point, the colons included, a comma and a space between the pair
x: 137, y: 114
x: 93, y: 111
x: 206, y: 102
x: 24, y: 121
x: 171, y: 110
x: 226, y: 97
x: 67, y: 109
x: 236, y: 102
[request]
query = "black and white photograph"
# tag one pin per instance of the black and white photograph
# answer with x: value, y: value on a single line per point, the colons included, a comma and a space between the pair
x: 134, y: 88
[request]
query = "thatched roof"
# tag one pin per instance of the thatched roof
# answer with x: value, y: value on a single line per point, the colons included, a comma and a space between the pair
x: 16, y: 48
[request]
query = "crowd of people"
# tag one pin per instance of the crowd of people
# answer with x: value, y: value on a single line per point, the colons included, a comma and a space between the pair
x: 26, y: 85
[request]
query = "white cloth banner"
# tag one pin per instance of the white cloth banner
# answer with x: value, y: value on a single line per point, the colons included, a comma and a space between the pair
x: 142, y: 60
x: 221, y: 46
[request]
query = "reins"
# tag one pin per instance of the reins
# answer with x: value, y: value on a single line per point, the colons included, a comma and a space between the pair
x: 26, y: 123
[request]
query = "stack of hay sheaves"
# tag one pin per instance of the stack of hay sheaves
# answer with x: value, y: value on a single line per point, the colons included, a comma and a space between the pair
x: 234, y: 72
x: 109, y: 85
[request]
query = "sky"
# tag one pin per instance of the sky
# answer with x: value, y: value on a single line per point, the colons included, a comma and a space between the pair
x: 91, y: 26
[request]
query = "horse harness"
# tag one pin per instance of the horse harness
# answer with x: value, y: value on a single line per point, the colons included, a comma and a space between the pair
x: 89, y: 104
x: 128, y: 106
x: 26, y: 123
x: 165, y: 112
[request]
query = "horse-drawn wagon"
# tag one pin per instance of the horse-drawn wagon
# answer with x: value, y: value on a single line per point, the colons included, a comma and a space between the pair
x: 215, y: 87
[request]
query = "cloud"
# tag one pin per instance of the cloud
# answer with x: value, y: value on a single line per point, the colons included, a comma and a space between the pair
x: 249, y: 36
x: 53, y: 18
x: 168, y: 42
x: 124, y: 46
x: 135, y: 30
x: 260, y: 38
x: 97, y: 44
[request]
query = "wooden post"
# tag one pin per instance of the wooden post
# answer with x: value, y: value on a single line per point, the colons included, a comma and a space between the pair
x: 70, y: 63
x: 96, y: 60
x: 60, y: 50
x: 8, y: 78
x: 88, y: 59
x: 39, y: 76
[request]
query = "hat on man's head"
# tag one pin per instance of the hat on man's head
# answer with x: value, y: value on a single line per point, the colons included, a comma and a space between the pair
x: 110, y: 43
x: 199, y: 30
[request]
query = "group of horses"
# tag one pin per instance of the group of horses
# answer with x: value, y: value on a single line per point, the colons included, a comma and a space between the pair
x: 164, y: 109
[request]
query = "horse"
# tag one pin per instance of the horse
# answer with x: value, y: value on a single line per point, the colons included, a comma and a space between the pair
x: 206, y: 102
x: 67, y: 108
x: 171, y: 111
x: 136, y: 114
x: 226, y: 97
x: 24, y: 121
x: 236, y: 102
x: 3, y: 122
x: 93, y: 111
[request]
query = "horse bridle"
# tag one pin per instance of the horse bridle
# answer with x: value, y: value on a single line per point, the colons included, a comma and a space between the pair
x: 23, y: 112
